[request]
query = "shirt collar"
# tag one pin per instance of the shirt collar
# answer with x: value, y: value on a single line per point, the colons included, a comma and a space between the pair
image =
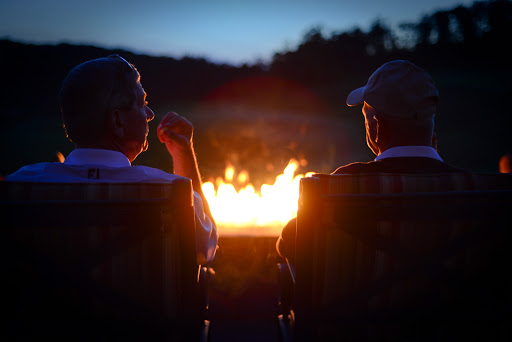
x: 409, y: 151
x: 87, y: 156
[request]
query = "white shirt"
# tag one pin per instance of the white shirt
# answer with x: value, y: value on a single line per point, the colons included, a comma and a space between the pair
x: 96, y: 165
x: 409, y: 151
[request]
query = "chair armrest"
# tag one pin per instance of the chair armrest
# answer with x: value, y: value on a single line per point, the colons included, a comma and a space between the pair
x: 286, y: 287
x: 205, y: 277
x: 286, y: 295
x: 291, y: 270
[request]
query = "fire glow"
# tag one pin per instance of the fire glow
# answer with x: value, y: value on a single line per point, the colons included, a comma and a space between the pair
x: 250, y: 212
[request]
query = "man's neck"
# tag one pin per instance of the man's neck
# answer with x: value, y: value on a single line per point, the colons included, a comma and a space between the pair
x: 105, y: 146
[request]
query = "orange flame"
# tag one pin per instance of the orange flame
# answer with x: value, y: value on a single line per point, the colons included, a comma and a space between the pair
x: 248, y: 212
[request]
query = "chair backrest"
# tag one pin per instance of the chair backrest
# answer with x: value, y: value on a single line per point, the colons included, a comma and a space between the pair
x: 112, y: 252
x: 377, y: 247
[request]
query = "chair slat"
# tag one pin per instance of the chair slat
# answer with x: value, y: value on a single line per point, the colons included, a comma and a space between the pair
x: 119, y: 257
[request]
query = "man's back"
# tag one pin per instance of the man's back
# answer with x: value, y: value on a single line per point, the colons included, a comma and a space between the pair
x: 398, y: 165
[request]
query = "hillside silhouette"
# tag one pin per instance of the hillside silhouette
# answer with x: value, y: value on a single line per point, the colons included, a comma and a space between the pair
x: 257, y: 117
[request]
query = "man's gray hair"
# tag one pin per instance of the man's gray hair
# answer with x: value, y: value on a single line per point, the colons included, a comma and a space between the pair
x: 90, y: 91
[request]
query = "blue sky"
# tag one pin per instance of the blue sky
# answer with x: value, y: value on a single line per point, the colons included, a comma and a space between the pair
x: 231, y: 31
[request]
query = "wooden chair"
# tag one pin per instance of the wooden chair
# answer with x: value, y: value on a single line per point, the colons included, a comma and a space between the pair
x: 402, y: 257
x: 101, y: 259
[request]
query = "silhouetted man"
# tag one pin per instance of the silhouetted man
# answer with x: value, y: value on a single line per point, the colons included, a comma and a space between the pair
x: 106, y: 115
x: 399, y: 105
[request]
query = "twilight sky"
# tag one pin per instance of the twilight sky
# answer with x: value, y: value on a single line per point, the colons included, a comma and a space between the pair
x: 230, y: 31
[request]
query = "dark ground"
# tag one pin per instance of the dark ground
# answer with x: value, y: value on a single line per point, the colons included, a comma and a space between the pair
x: 243, y: 296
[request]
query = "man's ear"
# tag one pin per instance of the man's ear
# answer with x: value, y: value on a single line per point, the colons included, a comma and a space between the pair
x: 116, y: 123
x: 375, y: 128
x: 371, y: 134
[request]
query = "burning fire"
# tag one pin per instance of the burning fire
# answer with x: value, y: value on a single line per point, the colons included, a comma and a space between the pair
x: 251, y: 212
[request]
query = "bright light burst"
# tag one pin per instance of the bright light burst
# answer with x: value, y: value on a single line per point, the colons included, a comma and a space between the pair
x: 250, y: 212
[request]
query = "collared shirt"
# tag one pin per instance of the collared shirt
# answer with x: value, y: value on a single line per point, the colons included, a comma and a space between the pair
x: 97, y: 165
x: 409, y: 151
x: 84, y: 156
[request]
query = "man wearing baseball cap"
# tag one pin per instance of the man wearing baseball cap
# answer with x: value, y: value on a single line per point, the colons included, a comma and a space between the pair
x: 399, y: 105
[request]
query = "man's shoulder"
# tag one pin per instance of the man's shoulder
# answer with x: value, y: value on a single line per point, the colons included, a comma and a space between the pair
x: 27, y: 173
x: 154, y: 175
x: 59, y: 172
x: 412, y: 165
x: 357, y: 167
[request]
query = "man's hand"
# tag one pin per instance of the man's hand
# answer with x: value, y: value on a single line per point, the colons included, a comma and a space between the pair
x: 175, y: 131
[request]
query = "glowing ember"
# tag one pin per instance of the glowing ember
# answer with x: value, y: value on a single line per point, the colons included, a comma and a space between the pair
x: 251, y: 212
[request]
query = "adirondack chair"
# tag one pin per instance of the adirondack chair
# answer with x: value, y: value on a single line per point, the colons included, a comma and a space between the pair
x: 400, y: 257
x: 86, y: 260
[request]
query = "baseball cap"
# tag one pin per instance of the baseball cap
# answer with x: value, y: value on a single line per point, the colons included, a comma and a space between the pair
x: 399, y: 89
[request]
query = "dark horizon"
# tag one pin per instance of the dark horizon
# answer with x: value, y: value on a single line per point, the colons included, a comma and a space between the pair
x: 220, y: 32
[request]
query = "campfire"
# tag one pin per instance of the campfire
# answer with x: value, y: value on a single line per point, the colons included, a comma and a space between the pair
x: 251, y: 212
